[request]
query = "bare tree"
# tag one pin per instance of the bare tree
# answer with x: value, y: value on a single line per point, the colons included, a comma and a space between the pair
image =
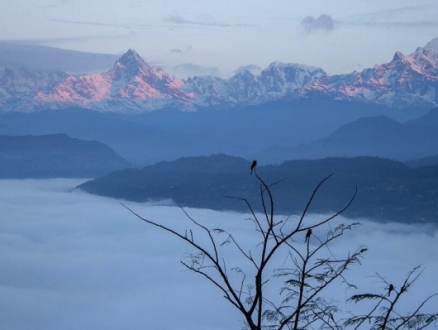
x: 290, y: 296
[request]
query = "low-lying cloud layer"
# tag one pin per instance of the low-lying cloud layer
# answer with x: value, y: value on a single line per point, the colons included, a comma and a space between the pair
x: 75, y: 261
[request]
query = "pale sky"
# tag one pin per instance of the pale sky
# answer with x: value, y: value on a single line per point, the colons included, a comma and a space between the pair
x: 337, y: 35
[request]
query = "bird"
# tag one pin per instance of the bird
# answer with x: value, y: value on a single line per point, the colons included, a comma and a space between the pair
x: 309, y: 233
x: 390, y: 289
x: 253, y: 165
x: 331, y: 317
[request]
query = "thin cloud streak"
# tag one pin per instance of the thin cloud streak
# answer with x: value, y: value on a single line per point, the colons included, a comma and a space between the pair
x: 183, y: 21
x: 87, y: 23
x: 61, y: 40
x: 395, y: 17
x: 72, y: 260
x: 406, y: 24
x: 128, y: 26
x: 392, y: 11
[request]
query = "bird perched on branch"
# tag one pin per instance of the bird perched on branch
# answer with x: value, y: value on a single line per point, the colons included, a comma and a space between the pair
x: 253, y: 165
x: 309, y: 233
x: 331, y: 317
x: 390, y: 289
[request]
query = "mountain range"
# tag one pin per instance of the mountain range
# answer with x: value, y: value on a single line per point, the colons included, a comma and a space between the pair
x: 134, y: 86
x: 299, y: 128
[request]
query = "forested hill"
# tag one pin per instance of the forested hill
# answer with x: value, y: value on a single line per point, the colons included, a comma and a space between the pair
x: 387, y: 190
x: 56, y: 155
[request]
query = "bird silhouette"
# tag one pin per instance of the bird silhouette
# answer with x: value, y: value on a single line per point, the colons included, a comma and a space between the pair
x: 309, y: 233
x: 331, y: 317
x: 253, y: 165
x: 390, y: 289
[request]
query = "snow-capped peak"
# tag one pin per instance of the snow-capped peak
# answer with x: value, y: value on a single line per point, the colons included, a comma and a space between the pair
x: 130, y: 56
x: 398, y: 56
x: 128, y: 86
x: 433, y: 44
x: 252, y: 68
x: 282, y: 66
x: 132, y: 64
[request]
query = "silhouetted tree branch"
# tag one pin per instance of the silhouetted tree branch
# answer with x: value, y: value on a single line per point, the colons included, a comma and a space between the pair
x: 291, y: 296
x: 383, y: 314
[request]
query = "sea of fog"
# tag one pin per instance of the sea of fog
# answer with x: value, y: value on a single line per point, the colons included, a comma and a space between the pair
x: 70, y: 260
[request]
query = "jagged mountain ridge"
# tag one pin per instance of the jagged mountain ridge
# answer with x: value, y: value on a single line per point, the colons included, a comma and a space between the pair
x: 133, y: 86
x: 19, y: 86
x: 245, y: 88
x: 405, y: 80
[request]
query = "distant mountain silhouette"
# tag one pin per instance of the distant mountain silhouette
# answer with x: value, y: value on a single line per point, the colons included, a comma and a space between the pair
x: 38, y: 57
x: 421, y: 162
x: 58, y: 155
x: 429, y: 119
x: 169, y: 134
x: 378, y: 136
x: 387, y: 190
